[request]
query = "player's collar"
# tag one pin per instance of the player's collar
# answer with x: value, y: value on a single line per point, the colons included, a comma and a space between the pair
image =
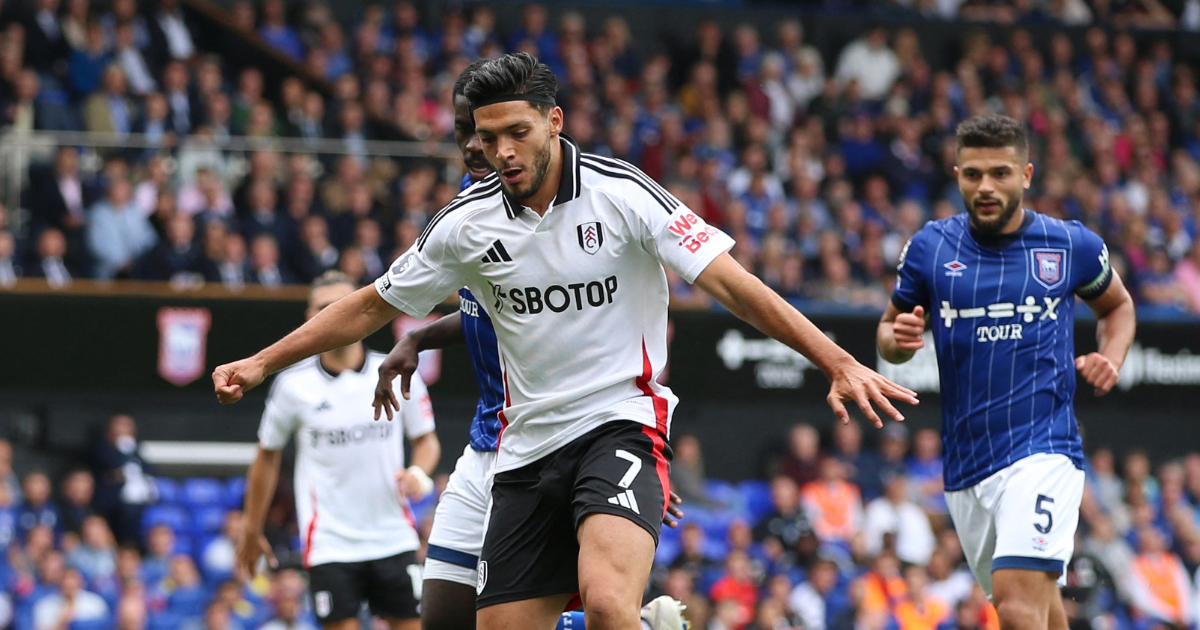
x: 1001, y: 241
x: 361, y: 369
x: 568, y: 183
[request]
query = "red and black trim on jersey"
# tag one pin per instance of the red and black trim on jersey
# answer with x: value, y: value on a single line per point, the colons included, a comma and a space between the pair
x: 611, y: 167
x: 486, y: 187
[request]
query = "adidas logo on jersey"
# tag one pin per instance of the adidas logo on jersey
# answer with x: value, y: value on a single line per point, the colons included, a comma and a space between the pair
x: 324, y: 406
x: 625, y: 499
x: 496, y: 253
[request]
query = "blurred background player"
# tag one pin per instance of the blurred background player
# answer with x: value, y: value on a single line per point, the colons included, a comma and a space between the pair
x: 450, y: 576
x: 1000, y: 283
x: 352, y: 488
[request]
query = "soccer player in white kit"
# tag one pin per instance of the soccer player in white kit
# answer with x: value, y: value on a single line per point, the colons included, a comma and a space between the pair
x: 352, y: 487
x: 565, y: 251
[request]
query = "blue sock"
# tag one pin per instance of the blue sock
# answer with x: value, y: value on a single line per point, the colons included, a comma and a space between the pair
x: 570, y: 621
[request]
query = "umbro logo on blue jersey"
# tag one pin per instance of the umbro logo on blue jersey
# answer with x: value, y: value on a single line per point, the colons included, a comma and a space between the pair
x: 496, y: 253
x: 955, y: 268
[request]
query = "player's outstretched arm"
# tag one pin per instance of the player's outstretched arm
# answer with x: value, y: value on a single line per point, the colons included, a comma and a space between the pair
x: 751, y: 300
x: 260, y: 487
x: 1116, y: 326
x: 344, y: 322
x: 899, y: 333
x: 402, y: 360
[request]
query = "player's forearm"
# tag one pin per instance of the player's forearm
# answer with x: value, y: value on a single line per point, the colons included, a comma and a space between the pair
x: 885, y: 337
x: 344, y: 322
x: 426, y: 452
x: 1115, y: 332
x: 761, y: 307
x: 443, y: 333
x: 260, y: 487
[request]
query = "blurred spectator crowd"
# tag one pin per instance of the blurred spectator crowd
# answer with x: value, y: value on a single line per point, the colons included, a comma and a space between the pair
x: 837, y: 534
x: 821, y: 163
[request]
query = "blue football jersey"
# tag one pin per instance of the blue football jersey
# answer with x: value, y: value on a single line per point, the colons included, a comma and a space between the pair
x: 485, y: 360
x: 1002, y: 315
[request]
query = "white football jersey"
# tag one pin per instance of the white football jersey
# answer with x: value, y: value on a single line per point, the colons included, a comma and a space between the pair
x: 578, y: 297
x: 346, y: 498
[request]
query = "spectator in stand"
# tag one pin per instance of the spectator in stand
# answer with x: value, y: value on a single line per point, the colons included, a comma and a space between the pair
x: 919, y: 609
x: 110, y: 110
x: 71, y: 606
x: 692, y: 557
x: 170, y: 34
x: 129, y: 56
x: 816, y: 601
x: 175, y: 258
x: 687, y: 472
x: 277, y: 33
x: 185, y: 591
x: 8, y: 478
x: 9, y: 269
x: 231, y: 267
x: 160, y: 545
x: 786, y: 531
x: 96, y: 555
x: 869, y: 62
x: 738, y: 585
x: 216, y: 617
x: 925, y: 471
x: 87, y: 63
x: 951, y: 583
x: 36, y: 509
x: 1187, y: 275
x: 78, y: 489
x: 287, y: 615
x: 893, y: 515
x: 315, y: 254
x: 131, y: 614
x: 863, y: 465
x: 833, y: 505
x: 51, y: 250
x: 801, y: 461
x: 186, y: 110
x: 117, y: 232
x: 59, y: 198
x: 1161, y: 590
x: 264, y: 263
x: 46, y: 48
x: 123, y: 484
x: 217, y: 559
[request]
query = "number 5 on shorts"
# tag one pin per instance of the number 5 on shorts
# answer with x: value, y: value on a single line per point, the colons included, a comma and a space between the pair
x: 1045, y: 529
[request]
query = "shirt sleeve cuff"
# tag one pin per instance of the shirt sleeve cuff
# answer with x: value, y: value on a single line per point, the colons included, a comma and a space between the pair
x: 383, y: 286
x: 901, y: 304
x: 705, y: 257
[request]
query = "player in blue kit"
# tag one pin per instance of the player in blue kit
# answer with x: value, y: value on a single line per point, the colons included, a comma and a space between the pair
x: 450, y: 575
x: 999, y: 286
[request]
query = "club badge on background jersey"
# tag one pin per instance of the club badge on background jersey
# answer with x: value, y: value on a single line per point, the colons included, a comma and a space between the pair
x: 591, y: 236
x: 1048, y: 266
x: 182, y: 341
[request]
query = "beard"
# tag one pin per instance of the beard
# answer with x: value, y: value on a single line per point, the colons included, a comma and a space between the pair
x: 993, y: 227
x: 541, y: 166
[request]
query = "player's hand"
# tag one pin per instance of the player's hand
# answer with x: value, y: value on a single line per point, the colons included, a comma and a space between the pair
x: 862, y: 385
x: 401, y: 361
x: 250, y: 548
x: 410, y: 485
x: 908, y: 328
x: 1098, y: 371
x: 671, y: 518
x: 232, y: 380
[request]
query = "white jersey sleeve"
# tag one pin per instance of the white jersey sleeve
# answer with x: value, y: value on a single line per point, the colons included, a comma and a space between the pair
x: 428, y: 272
x: 417, y: 411
x: 280, y: 418
x: 680, y: 239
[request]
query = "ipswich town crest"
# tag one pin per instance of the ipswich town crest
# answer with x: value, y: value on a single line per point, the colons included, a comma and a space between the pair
x: 1049, y: 266
x: 182, y: 340
x: 591, y: 236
